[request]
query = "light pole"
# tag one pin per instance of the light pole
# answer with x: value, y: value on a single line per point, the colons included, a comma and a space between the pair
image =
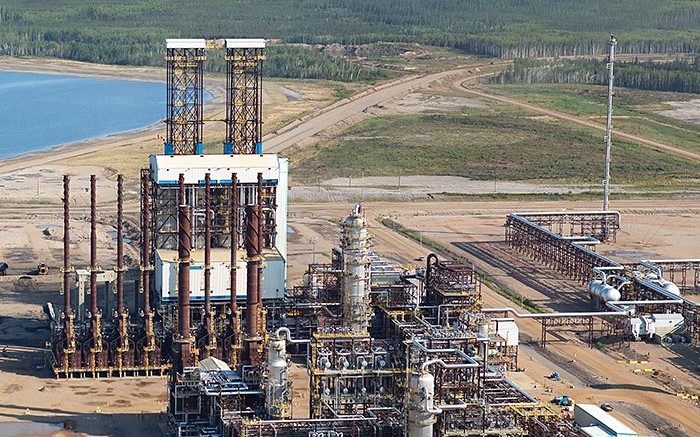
x: 608, y: 124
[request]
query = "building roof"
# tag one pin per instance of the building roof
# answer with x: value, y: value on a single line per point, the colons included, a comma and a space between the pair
x: 166, y: 169
x: 604, y: 420
x: 212, y: 363
x: 245, y: 43
x: 174, y: 43
x: 595, y: 431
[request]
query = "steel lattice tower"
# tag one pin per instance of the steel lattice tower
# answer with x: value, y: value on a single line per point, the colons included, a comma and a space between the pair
x: 184, y: 96
x: 244, y: 58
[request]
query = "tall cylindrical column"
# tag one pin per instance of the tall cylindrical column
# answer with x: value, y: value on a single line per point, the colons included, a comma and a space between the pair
x: 67, y: 312
x: 253, y: 275
x: 355, y: 282
x: 93, y: 248
x: 233, y: 230
x: 120, y: 245
x: 146, y: 246
x: 208, y: 320
x: 184, y: 248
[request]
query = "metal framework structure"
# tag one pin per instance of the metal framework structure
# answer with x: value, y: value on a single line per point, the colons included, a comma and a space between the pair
x: 567, y: 254
x: 244, y: 58
x: 185, y: 91
x: 105, y: 339
x: 222, y: 206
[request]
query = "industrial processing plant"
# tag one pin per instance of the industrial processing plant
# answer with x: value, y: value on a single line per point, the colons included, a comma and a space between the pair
x: 388, y: 350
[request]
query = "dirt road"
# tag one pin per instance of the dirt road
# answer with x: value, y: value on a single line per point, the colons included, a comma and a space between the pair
x: 347, y: 108
x: 582, y: 122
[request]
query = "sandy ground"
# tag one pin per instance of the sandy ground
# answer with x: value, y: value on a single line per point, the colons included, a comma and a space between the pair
x: 31, y: 230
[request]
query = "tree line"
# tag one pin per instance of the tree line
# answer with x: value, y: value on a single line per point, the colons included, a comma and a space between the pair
x: 680, y: 75
x: 133, y: 31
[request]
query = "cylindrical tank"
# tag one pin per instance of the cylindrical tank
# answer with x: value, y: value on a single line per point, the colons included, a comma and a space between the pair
x: 670, y: 287
x: 603, y: 292
x: 276, y: 393
x: 661, y: 282
x: 483, y: 330
x: 421, y: 410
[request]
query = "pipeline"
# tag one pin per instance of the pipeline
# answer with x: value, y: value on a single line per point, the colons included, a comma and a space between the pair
x: 288, y: 336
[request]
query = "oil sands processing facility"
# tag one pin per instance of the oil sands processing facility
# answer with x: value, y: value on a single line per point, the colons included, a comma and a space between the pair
x: 388, y: 352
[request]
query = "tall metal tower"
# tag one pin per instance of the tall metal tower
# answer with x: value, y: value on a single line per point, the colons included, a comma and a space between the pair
x: 244, y: 58
x: 184, y: 59
x: 608, y: 124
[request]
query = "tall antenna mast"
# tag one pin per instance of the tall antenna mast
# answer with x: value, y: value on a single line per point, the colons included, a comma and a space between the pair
x: 608, y: 124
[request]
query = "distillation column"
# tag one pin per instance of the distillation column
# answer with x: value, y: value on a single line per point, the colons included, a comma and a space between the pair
x: 356, y: 276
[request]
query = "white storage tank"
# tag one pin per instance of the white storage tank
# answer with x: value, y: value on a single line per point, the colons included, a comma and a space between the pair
x: 603, y: 292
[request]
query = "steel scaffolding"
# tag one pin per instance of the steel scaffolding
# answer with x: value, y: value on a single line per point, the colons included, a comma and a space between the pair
x: 244, y: 60
x: 184, y: 60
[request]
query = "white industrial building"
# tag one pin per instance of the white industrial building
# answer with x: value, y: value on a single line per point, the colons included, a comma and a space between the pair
x: 165, y: 171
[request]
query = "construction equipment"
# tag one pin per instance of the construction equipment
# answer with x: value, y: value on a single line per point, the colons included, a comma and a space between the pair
x: 42, y: 269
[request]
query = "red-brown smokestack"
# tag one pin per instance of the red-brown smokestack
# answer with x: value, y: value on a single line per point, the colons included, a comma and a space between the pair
x: 146, y: 248
x: 260, y: 240
x: 234, y: 240
x: 120, y: 245
x: 66, y: 261
x: 253, y: 271
x: 93, y: 252
x: 184, y: 247
x: 207, y: 260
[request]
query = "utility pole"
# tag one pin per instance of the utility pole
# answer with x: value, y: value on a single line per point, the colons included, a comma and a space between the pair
x: 608, y: 124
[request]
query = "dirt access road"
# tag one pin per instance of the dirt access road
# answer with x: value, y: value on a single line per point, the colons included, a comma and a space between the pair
x: 342, y: 111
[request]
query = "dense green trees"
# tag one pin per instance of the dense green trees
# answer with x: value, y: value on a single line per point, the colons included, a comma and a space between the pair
x: 132, y: 32
x: 681, y: 75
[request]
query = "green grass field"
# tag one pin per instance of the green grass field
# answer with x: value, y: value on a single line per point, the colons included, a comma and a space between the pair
x: 503, y: 143
x: 634, y: 111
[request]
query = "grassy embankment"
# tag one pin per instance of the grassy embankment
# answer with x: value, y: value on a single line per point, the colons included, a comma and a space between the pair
x: 504, y: 143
